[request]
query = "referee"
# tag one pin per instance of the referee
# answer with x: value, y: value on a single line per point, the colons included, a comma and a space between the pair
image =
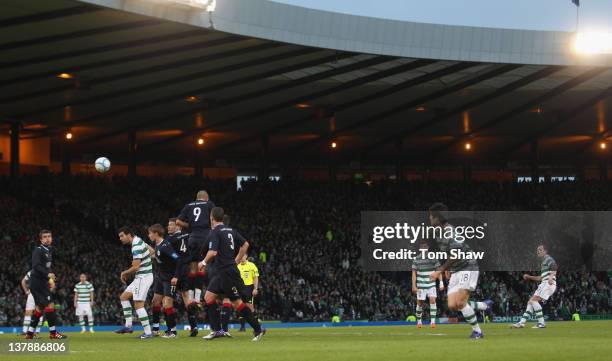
x: 250, y: 277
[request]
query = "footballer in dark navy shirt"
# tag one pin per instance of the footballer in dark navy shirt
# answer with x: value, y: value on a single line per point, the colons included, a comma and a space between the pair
x: 169, y: 267
x: 223, y: 243
x: 179, y: 241
x: 41, y: 279
x: 195, y: 217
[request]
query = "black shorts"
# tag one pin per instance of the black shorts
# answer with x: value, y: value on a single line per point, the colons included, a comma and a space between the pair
x: 208, y: 275
x: 247, y: 293
x: 157, y: 285
x: 40, y: 291
x: 164, y: 287
x: 227, y: 282
x: 196, y: 244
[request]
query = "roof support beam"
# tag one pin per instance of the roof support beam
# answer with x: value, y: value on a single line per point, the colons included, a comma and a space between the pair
x: 79, y: 34
x: 490, y: 73
x: 217, y: 86
x: 464, y: 107
x: 524, y: 107
x: 98, y: 49
x: 48, y: 15
x: 561, y: 119
x: 309, y: 97
x: 359, y: 101
x: 107, y: 62
x: 156, y: 84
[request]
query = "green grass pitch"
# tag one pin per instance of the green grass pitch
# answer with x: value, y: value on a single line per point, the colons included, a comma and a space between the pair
x: 591, y: 340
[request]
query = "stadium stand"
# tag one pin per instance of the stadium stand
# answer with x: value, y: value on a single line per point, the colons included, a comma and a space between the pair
x: 309, y: 232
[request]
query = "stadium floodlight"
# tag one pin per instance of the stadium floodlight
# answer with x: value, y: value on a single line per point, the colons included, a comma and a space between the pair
x: 593, y: 42
x: 203, y: 5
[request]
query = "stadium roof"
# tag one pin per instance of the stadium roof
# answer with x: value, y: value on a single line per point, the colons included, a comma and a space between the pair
x: 294, y: 79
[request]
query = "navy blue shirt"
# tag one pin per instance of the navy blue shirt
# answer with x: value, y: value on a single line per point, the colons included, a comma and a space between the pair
x: 197, y: 215
x: 167, y: 260
x: 226, y: 241
x: 41, y: 262
x: 179, y: 240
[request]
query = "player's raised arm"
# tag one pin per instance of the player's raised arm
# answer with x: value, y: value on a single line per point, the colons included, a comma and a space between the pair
x: 182, y: 219
x: 528, y: 277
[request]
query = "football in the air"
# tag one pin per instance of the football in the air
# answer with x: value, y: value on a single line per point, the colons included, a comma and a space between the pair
x: 102, y: 164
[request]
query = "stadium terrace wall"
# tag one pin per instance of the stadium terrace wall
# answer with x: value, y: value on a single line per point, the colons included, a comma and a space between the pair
x: 323, y: 29
x: 485, y: 174
x: 269, y: 325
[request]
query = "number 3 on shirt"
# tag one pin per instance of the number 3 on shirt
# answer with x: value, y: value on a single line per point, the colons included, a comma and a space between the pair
x: 231, y: 238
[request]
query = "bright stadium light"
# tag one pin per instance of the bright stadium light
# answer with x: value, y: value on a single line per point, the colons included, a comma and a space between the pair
x: 594, y: 42
x: 204, y: 5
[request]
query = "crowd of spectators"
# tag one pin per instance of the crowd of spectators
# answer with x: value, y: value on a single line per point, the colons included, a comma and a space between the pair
x: 304, y: 236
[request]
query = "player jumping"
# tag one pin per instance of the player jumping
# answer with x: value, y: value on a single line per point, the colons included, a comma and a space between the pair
x: 223, y: 242
x: 138, y: 289
x: 464, y: 272
x: 548, y: 285
x: 41, y: 278
x: 83, y: 300
x: 195, y: 216
x: 179, y: 241
x: 424, y: 287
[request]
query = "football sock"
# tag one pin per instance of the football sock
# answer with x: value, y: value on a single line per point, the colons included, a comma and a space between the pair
x: 419, y: 313
x: 246, y: 312
x: 144, y: 320
x: 433, y: 312
x: 127, y: 313
x: 537, y: 308
x: 226, y: 313
x: 155, y: 317
x: 528, y: 313
x: 470, y: 317
x: 214, y: 316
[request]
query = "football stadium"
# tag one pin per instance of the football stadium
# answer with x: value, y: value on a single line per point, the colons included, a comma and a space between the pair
x: 264, y: 180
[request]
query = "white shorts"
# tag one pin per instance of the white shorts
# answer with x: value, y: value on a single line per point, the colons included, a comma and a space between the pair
x: 423, y: 293
x: 30, y: 303
x: 463, y: 280
x: 139, y: 288
x: 545, y: 290
x: 83, y: 309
